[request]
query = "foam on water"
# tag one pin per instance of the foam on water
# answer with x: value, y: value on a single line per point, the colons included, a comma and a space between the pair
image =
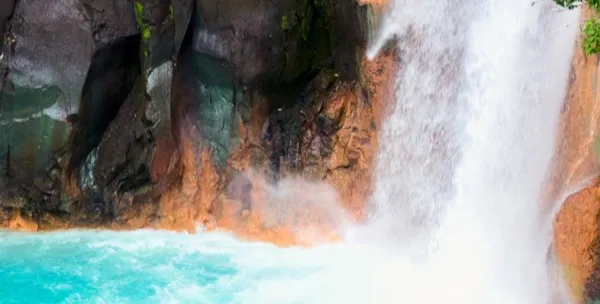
x: 468, y: 146
x: 457, y: 214
x: 166, y: 267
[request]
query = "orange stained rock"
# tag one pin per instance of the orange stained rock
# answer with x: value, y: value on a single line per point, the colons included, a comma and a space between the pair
x: 310, y: 205
x: 17, y: 222
x: 349, y: 165
x: 580, y: 122
x: 190, y: 201
x: 575, y: 226
x: 249, y: 151
x: 379, y: 75
x: 373, y: 2
x: 295, y: 212
x: 348, y: 168
x: 359, y: 141
x: 575, y: 230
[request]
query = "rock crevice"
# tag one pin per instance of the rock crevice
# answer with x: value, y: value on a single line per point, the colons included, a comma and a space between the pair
x: 142, y: 113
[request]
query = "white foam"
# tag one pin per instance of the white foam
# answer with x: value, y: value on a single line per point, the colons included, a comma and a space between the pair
x: 468, y: 145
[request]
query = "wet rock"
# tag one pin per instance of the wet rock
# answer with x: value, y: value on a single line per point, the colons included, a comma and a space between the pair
x: 158, y: 117
x: 293, y: 212
x: 240, y: 189
x: 17, y: 222
x: 319, y: 126
x: 216, y: 98
x: 132, y: 162
x: 6, y: 11
x: 290, y: 39
x: 162, y: 25
x: 123, y: 158
x: 156, y: 109
x: 111, y: 77
x: 576, y: 243
x: 39, y: 32
x: 576, y: 227
x: 230, y: 30
x: 50, y: 46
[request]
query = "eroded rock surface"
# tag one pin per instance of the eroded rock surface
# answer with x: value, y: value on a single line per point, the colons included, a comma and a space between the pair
x: 576, y: 237
x: 169, y: 114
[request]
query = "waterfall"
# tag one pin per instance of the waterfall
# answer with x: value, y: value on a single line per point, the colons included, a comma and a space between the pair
x: 467, y: 147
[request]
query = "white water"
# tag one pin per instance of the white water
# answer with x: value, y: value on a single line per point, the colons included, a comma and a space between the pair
x: 464, y: 156
x: 467, y: 147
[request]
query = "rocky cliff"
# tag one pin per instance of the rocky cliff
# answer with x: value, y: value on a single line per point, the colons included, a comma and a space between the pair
x: 575, y: 180
x: 158, y: 113
x: 168, y: 114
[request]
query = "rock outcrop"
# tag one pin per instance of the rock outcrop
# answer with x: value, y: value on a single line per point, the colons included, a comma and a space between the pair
x: 243, y: 115
x: 576, y: 237
x: 169, y: 114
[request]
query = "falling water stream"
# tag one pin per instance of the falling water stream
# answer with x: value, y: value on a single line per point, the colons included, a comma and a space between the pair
x: 458, y: 214
x: 468, y: 145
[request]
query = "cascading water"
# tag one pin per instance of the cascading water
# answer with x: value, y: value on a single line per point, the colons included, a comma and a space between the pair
x: 458, y: 215
x: 467, y: 147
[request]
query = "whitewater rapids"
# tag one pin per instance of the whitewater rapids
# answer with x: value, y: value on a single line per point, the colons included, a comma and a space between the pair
x: 458, y: 215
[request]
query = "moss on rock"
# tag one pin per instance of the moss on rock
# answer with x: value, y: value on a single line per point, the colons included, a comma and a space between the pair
x: 145, y: 33
x: 307, y: 31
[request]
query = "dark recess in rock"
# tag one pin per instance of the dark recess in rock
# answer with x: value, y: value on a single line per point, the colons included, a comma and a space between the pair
x: 110, y: 20
x: 591, y: 287
x: 124, y: 153
x: 182, y: 10
x: 6, y: 11
x: 126, y: 143
x: 111, y: 77
x: 181, y: 99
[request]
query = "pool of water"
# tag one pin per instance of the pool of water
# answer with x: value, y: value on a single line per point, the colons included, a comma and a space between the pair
x: 166, y: 267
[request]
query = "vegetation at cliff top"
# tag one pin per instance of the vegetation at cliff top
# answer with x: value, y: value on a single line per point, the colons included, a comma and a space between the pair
x: 591, y: 27
x: 571, y: 4
x: 591, y: 36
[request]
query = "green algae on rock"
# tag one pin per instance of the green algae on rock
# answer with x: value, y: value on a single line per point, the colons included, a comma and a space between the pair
x: 156, y: 79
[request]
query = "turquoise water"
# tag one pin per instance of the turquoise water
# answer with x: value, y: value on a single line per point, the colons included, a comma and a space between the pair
x: 103, y: 267
x: 165, y: 267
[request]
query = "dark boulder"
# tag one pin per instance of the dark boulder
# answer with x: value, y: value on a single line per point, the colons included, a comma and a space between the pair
x: 49, y: 48
x: 100, y: 100
x: 264, y: 43
x: 6, y: 10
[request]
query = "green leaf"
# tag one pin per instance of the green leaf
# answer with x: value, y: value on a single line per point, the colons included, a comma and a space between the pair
x: 591, y: 36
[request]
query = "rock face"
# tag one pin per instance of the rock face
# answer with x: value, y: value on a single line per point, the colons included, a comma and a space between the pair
x: 156, y: 113
x: 253, y: 117
x: 576, y: 237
